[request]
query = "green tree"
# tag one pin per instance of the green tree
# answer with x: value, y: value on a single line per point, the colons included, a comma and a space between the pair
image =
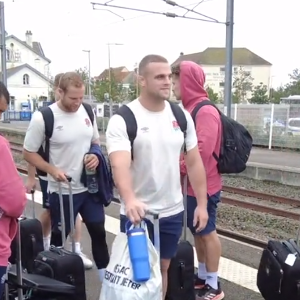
x: 259, y: 94
x: 84, y: 73
x: 291, y: 88
x: 276, y: 94
x: 213, y: 97
x: 242, y: 84
x: 101, y: 87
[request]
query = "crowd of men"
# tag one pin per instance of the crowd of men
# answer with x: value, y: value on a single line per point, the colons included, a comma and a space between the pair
x: 147, y: 173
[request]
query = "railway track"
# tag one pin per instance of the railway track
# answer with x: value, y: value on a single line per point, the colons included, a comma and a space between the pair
x: 222, y: 232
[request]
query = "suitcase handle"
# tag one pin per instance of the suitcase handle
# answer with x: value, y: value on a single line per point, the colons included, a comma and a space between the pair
x: 181, y: 274
x: 289, y: 247
x: 69, y: 178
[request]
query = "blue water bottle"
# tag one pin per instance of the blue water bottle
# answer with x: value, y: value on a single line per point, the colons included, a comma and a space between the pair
x: 138, y: 252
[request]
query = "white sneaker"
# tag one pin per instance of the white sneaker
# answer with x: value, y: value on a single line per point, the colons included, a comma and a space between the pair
x: 88, y: 264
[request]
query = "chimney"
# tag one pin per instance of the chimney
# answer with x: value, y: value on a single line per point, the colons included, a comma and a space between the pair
x: 28, y: 36
x: 181, y: 53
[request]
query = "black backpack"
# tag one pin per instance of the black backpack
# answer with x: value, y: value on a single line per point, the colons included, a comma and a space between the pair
x: 131, y: 125
x: 49, y: 124
x: 236, y: 143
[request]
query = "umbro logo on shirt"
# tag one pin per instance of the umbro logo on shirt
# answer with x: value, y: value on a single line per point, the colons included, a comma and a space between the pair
x: 145, y: 129
x: 59, y: 128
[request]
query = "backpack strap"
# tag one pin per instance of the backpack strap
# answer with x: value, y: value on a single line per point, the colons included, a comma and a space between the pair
x: 89, y: 111
x: 131, y: 125
x: 196, y: 110
x: 48, y: 117
x: 181, y: 120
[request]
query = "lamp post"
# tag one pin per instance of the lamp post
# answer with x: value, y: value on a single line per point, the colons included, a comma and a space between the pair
x: 109, y: 76
x: 89, y: 75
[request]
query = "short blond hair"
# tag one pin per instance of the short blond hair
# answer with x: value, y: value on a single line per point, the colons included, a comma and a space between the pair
x: 70, y: 79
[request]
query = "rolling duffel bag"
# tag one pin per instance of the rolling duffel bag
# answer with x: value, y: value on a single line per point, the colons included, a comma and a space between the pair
x: 278, y: 276
x: 61, y: 264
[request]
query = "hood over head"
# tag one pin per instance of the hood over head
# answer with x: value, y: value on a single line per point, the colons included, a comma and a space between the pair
x: 192, y: 81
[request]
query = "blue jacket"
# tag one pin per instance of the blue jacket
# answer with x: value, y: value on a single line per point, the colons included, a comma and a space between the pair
x: 105, y: 181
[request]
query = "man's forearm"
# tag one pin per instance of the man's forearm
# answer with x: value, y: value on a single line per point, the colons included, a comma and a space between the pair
x: 37, y: 161
x: 197, y: 178
x: 31, y: 171
x: 123, y: 182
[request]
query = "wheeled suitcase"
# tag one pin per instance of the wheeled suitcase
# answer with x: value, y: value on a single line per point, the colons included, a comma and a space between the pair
x: 21, y: 285
x: 278, y: 276
x: 61, y: 264
x: 181, y: 270
x: 31, y: 235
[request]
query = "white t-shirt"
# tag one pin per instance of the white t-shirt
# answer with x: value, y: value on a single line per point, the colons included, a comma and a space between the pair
x: 155, y: 168
x: 70, y: 141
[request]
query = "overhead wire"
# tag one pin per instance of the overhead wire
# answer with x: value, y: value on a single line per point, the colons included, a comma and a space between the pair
x: 167, y: 14
x: 149, y: 14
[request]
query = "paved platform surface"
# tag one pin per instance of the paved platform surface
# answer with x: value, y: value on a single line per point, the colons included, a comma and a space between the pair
x: 238, y: 266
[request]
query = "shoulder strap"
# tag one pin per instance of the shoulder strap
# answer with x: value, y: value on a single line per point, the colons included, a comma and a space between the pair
x: 89, y: 111
x: 199, y: 106
x: 49, y: 124
x: 196, y: 110
x: 181, y: 120
x: 131, y: 125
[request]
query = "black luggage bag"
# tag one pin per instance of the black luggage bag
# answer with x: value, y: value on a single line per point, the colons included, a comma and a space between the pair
x: 181, y: 271
x: 31, y: 234
x: 19, y: 283
x: 61, y: 264
x: 278, y: 276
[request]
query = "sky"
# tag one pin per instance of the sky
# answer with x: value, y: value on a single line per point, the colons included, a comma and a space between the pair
x: 66, y: 27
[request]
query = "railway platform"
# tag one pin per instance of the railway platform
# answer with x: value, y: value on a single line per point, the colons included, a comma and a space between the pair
x: 238, y: 265
x: 264, y: 164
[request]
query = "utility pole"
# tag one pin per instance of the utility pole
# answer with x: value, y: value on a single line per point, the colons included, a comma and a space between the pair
x: 3, y: 55
x: 229, y: 50
x: 109, y: 78
x: 89, y: 75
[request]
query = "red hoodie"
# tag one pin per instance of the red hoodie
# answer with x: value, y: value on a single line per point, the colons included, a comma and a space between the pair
x: 12, y: 200
x: 208, y: 124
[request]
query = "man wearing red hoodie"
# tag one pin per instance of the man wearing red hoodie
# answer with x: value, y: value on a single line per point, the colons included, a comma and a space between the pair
x: 188, y: 86
x: 12, y: 195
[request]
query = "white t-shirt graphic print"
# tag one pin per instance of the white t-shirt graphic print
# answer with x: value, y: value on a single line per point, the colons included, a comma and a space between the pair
x: 155, y: 168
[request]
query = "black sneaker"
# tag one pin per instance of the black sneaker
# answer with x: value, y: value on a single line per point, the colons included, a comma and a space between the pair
x: 199, y: 283
x: 208, y: 293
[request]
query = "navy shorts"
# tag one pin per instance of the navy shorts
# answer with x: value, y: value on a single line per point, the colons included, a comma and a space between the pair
x: 44, y: 189
x: 84, y: 203
x: 170, y: 233
x: 212, y: 205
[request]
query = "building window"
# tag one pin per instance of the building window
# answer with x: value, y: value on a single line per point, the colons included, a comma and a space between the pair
x: 221, y: 84
x: 7, y: 55
x: 26, y: 79
x: 222, y: 69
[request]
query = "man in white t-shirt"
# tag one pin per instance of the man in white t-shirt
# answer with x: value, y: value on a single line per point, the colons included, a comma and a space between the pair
x: 72, y: 137
x: 45, y: 217
x: 152, y: 179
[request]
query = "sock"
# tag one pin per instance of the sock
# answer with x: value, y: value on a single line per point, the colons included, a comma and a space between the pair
x: 46, y: 241
x: 101, y: 274
x: 212, y: 279
x: 202, y: 272
x: 77, y: 247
